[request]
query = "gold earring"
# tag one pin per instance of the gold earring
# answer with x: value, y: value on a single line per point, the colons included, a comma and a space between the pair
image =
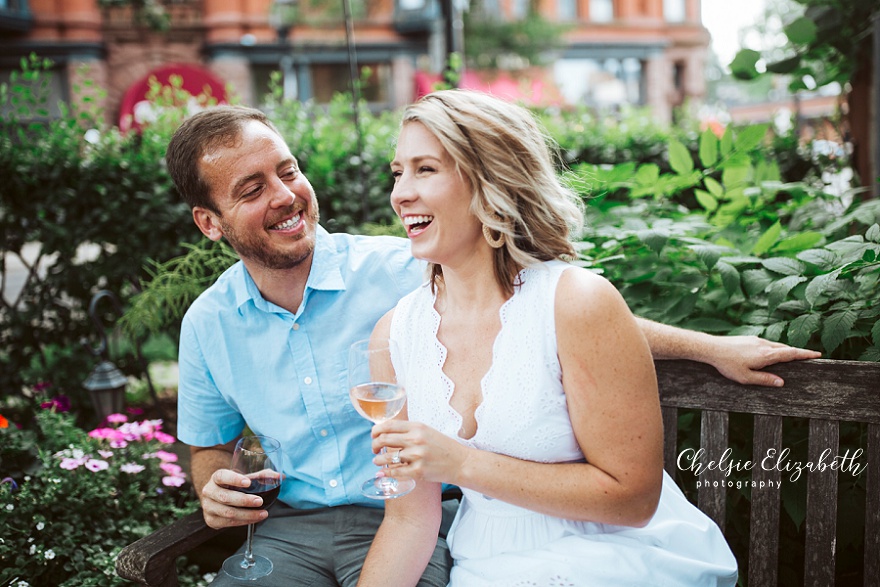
x: 493, y: 242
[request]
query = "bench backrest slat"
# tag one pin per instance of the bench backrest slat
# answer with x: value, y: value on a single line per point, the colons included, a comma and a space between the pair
x: 821, y: 521
x: 712, y: 494
x: 764, y: 536
x: 670, y: 439
x: 872, y: 508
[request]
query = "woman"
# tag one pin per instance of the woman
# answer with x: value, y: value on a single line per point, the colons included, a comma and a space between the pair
x: 554, y: 437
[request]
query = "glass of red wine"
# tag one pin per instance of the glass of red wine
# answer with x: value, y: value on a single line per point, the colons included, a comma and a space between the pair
x: 259, y: 459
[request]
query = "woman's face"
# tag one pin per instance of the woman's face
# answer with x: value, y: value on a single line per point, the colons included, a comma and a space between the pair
x: 433, y: 200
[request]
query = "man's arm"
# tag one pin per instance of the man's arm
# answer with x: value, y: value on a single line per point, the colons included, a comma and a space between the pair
x: 736, y: 357
x: 212, y: 478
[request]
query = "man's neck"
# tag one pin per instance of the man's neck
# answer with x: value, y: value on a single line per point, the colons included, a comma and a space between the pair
x: 282, y: 287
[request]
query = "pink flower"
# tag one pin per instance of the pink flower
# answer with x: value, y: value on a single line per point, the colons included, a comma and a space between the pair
x: 135, y: 411
x: 131, y: 468
x: 103, y: 433
x: 106, y: 453
x: 71, y: 464
x: 118, y: 444
x: 117, y: 418
x: 172, y: 481
x: 171, y: 468
x: 164, y: 438
x: 59, y: 403
x: 168, y: 457
x: 95, y: 465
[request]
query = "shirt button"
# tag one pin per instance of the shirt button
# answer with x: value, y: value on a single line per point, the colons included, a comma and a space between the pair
x: 296, y: 326
x: 333, y: 483
x: 323, y: 433
x: 307, y: 380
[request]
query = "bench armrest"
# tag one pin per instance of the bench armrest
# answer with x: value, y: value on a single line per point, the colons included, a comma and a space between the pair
x: 152, y: 559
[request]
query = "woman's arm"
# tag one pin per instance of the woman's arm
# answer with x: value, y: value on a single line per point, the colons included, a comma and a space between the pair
x: 609, y: 382
x: 407, y: 536
x: 738, y: 358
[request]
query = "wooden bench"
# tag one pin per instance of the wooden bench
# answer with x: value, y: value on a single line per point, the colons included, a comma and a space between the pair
x: 823, y: 392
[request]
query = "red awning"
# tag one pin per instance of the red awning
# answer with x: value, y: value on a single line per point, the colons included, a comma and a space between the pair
x: 136, y: 110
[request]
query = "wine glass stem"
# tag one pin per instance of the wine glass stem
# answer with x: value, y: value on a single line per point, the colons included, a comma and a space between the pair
x: 248, y: 560
x: 387, y: 483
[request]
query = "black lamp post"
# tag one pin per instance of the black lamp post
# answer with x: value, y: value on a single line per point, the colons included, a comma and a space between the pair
x: 106, y: 383
x: 282, y: 15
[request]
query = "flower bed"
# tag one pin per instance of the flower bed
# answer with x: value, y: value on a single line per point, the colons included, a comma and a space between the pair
x: 71, y: 500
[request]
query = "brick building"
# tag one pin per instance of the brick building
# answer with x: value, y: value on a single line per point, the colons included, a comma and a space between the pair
x: 637, y: 51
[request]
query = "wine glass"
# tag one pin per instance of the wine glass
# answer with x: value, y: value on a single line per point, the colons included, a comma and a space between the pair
x: 258, y: 458
x: 376, y: 395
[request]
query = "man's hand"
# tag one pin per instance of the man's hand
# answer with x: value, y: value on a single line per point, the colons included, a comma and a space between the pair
x: 739, y: 358
x: 224, y: 507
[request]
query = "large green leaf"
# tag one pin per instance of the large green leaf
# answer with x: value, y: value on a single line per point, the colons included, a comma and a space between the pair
x: 875, y: 333
x: 743, y: 64
x: 821, y: 258
x: 706, y: 200
x: 774, y: 331
x: 820, y: 285
x: 784, y: 265
x: 768, y: 239
x: 836, y: 328
x: 751, y: 136
x: 655, y: 239
x: 756, y: 281
x: 778, y: 290
x: 799, y: 242
x: 801, y: 32
x: 729, y: 276
x: 802, y: 328
x: 680, y: 158
x: 708, y: 148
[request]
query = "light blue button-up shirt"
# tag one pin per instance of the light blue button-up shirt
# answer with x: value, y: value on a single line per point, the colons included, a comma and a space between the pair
x: 244, y: 360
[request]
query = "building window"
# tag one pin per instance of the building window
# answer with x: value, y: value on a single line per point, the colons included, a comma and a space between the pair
x: 601, y: 10
x: 332, y: 78
x: 608, y: 83
x: 674, y: 10
x: 567, y: 10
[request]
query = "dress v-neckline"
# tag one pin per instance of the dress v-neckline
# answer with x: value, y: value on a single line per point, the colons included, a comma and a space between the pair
x: 444, y: 353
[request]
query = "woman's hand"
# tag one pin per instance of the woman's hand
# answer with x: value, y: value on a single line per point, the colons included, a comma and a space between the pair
x: 741, y: 358
x: 418, y: 451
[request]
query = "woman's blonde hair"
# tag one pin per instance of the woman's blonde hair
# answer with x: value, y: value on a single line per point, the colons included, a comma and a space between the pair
x: 502, y: 153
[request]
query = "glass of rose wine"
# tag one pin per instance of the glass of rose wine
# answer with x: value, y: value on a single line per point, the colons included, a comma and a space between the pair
x: 259, y: 459
x: 376, y: 396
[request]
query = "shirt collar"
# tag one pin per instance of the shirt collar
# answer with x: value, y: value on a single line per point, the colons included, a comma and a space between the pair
x: 324, y: 274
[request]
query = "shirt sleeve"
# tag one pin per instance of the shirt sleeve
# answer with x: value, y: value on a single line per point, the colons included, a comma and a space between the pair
x: 204, y: 416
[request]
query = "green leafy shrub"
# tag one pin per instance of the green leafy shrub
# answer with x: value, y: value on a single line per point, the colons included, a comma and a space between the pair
x: 784, y: 261
x: 89, y: 496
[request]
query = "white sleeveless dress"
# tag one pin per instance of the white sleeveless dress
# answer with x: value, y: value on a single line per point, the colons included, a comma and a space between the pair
x: 524, y: 415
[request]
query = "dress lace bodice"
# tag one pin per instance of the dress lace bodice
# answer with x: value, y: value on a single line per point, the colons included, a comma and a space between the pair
x: 524, y: 413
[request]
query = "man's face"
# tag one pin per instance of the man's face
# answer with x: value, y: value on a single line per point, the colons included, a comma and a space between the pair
x: 268, y: 210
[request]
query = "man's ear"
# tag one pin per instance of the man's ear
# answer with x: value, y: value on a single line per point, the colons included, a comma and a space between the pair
x: 207, y: 222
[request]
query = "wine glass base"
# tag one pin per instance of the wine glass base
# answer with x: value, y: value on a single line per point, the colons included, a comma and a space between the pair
x: 387, y: 487
x: 233, y: 567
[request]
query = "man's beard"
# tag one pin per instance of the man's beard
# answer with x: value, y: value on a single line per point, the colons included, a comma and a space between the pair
x: 256, y: 249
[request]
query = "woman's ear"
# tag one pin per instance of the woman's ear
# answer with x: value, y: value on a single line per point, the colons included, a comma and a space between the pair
x: 208, y: 223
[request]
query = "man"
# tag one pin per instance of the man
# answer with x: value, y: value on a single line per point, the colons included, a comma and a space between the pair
x: 265, y: 347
